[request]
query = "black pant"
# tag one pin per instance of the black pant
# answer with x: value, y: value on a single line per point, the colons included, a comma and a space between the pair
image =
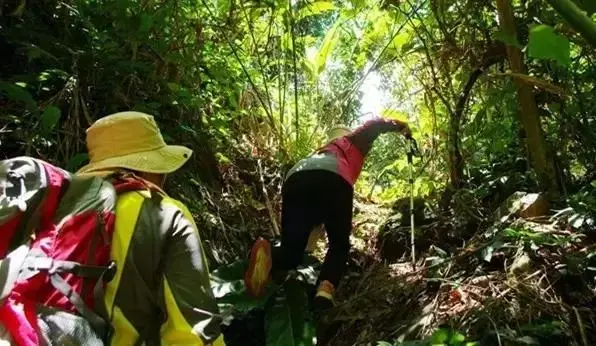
x: 311, y: 198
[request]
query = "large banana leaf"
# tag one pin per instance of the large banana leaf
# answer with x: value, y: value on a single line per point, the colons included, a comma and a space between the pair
x: 228, y: 287
x: 287, y: 321
x: 317, y: 62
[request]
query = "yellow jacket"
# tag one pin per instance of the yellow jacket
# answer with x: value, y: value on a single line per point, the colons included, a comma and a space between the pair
x: 161, y: 292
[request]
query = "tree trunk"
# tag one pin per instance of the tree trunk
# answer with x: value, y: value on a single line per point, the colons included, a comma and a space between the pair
x: 542, y: 164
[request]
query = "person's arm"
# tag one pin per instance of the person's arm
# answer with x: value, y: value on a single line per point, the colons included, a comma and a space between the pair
x: 364, y: 136
x: 191, y: 309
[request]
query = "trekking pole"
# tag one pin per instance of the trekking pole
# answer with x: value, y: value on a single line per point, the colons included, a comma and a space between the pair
x: 412, y: 148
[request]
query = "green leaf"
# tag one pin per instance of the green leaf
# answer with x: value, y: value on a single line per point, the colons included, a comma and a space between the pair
x: 587, y: 5
x: 457, y: 339
x: 225, y: 279
x: 34, y: 52
x: 329, y: 42
x: 278, y: 322
x: 230, y: 272
x: 315, y: 8
x: 507, y: 39
x: 173, y: 87
x: 304, y: 331
x: 544, y: 43
x: 76, y: 161
x: 440, y: 336
x: 228, y: 287
x: 384, y: 343
x: 358, y: 4
x: 241, y: 301
x: 146, y: 22
x: 287, y: 319
x: 19, y: 94
x: 49, y: 119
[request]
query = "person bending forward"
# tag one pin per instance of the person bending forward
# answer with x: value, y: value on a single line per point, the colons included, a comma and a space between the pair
x: 319, y: 190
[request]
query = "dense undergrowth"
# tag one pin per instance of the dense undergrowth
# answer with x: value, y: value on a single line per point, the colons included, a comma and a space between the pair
x: 505, y: 193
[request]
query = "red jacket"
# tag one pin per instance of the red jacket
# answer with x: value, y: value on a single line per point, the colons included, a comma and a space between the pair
x: 345, y: 155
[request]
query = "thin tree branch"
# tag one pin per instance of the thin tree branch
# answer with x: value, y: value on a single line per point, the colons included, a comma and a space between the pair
x: 255, y: 43
x: 292, y: 34
x: 250, y: 81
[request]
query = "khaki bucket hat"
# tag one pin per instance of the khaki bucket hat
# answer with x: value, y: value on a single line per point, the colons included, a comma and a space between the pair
x: 133, y: 141
x: 337, y: 131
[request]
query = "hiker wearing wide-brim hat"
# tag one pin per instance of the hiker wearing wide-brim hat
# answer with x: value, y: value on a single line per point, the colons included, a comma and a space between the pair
x: 132, y: 141
x: 161, y: 290
x: 319, y: 190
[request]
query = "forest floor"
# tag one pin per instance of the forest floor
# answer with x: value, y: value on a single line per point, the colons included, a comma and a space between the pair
x: 516, y: 280
x: 519, y: 274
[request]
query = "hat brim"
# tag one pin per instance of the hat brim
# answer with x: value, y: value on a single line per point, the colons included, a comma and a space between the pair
x: 165, y: 160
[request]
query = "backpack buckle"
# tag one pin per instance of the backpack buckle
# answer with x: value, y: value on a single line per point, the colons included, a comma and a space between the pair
x: 110, y: 272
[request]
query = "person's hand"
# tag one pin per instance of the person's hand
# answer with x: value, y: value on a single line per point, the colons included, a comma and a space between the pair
x: 403, y: 128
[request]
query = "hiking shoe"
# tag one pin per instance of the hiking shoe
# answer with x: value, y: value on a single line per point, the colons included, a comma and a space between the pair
x: 325, y: 290
x: 324, y: 297
x: 259, y: 267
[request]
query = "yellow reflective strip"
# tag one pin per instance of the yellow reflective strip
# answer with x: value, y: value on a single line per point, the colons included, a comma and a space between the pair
x: 128, y: 208
x: 176, y: 331
x: 326, y: 295
x: 124, y: 332
x: 219, y: 341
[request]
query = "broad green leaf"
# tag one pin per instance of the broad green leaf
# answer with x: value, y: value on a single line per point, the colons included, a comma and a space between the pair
x: 440, y: 336
x: 398, y: 42
x: 287, y: 319
x: 241, y: 301
x: 544, y: 43
x: 315, y: 8
x: 228, y: 278
x: 384, y: 343
x: 230, y: 272
x: 76, y: 161
x: 49, y: 119
x: 587, y: 5
x: 358, y: 4
x: 304, y: 331
x: 508, y: 39
x: 146, y: 22
x: 310, y: 68
x: 228, y: 287
x: 329, y: 42
x: 34, y: 52
x: 457, y: 338
x: 173, y: 87
x: 278, y: 322
x: 19, y: 94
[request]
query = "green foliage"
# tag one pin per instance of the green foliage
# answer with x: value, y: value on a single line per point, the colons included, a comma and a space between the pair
x: 441, y: 337
x: 286, y: 319
x: 77, y: 162
x: 49, y: 119
x: 544, y: 43
x: 287, y: 316
x: 17, y: 92
x: 507, y: 39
